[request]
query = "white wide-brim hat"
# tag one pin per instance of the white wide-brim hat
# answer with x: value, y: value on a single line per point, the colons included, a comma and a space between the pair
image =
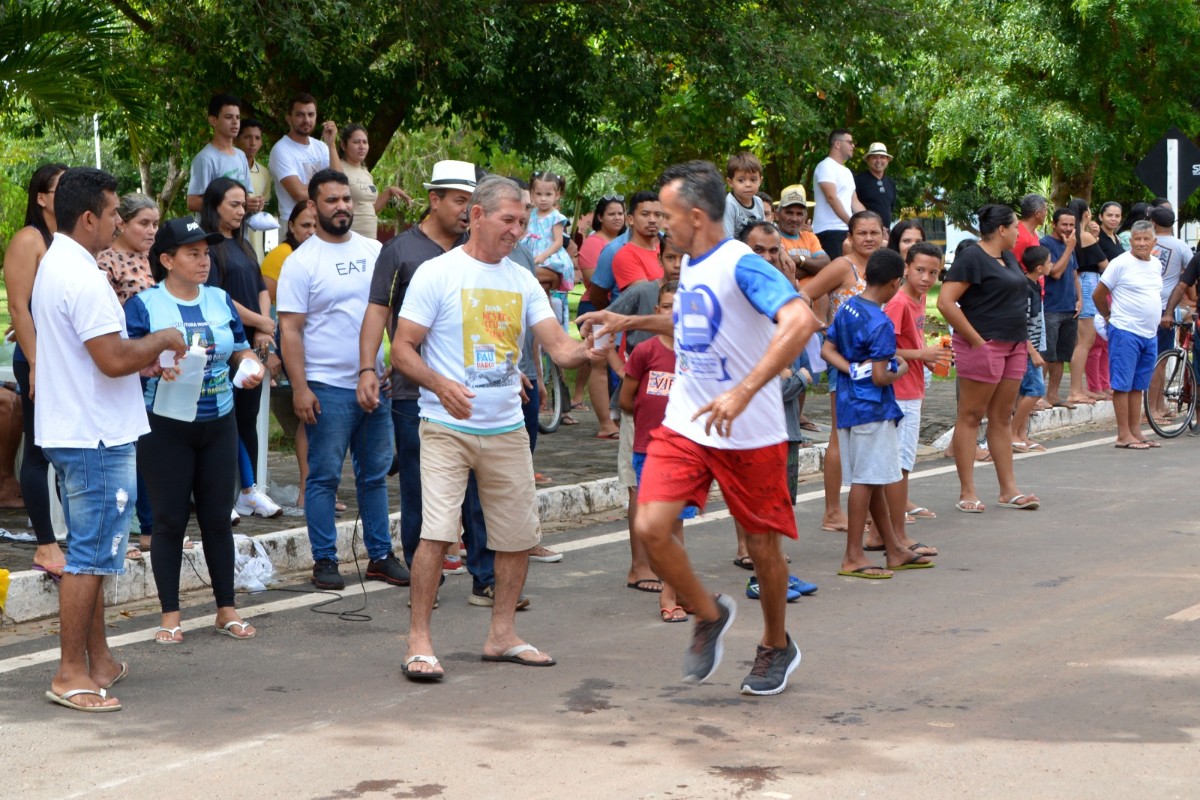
x: 452, y: 175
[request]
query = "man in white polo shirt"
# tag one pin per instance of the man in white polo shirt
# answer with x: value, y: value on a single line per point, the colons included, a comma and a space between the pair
x: 89, y: 415
x: 322, y: 297
x: 459, y: 338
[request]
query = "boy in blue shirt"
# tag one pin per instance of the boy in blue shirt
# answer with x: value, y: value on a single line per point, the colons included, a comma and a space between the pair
x: 861, y: 345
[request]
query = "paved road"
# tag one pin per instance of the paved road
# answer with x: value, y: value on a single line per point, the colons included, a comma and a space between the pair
x: 1050, y: 654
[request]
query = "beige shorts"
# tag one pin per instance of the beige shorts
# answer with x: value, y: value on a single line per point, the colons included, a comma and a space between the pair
x: 503, y: 469
x: 625, y: 474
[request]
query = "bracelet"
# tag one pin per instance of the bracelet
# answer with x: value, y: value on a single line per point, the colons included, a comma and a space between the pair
x: 365, y: 369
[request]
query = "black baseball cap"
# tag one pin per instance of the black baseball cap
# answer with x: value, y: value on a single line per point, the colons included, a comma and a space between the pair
x: 184, y: 230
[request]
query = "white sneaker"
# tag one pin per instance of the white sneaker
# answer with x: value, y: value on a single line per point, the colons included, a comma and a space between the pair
x: 256, y: 503
x: 234, y: 519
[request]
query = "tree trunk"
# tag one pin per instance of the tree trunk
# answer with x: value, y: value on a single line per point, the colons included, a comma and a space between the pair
x: 175, y: 177
x: 1063, y: 187
x: 144, y: 172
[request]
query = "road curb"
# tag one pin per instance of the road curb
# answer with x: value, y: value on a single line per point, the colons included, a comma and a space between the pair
x: 33, y: 596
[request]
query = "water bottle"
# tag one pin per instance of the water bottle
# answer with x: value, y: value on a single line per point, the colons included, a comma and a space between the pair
x: 178, y: 399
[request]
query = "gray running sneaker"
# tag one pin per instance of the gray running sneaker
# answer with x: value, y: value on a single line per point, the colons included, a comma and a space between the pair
x: 704, y: 653
x: 771, y: 669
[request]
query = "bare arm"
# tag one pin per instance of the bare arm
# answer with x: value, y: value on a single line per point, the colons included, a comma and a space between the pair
x: 628, y: 393
x: 195, y: 202
x: 856, y: 204
x: 830, y: 191
x: 815, y: 263
x: 370, y: 336
x: 116, y: 357
x: 833, y: 358
x: 21, y: 259
x: 795, y: 323
x: 595, y: 322
x: 406, y: 359
x: 261, y: 323
x: 291, y: 343
x: 563, y: 350
x: 329, y: 134
x: 947, y: 303
x: 882, y: 376
x: 295, y: 189
x: 1060, y: 266
x: 828, y: 279
x: 1101, y: 297
x: 556, y: 236
x: 1168, y: 316
x: 598, y: 295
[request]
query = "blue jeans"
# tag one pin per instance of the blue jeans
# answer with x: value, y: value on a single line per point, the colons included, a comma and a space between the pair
x: 99, y: 488
x: 406, y: 422
x: 343, y: 424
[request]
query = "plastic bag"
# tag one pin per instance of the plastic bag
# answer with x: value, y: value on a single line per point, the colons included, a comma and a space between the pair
x: 251, y: 573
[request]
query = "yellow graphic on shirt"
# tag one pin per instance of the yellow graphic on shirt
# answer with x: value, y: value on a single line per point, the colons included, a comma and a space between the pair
x: 492, y: 327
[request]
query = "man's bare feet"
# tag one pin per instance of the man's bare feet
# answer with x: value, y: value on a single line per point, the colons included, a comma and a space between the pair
x: 834, y: 522
x: 1086, y: 400
x: 517, y: 652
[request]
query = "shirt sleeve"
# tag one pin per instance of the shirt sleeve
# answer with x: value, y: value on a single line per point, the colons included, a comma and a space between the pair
x: 730, y: 216
x: 291, y: 296
x: 811, y: 242
x: 384, y: 276
x: 635, y: 365
x: 235, y: 325
x: 1190, y: 273
x: 821, y: 174
x: 965, y: 268
x: 763, y: 285
x: 603, y: 274
x: 537, y: 305
x: 897, y: 312
x: 421, y: 301
x: 199, y: 179
x: 625, y: 268
x: 90, y: 312
x: 1111, y: 276
x: 882, y: 345
x: 137, y: 318
x: 283, y: 164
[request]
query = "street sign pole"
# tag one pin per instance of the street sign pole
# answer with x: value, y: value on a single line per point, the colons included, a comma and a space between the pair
x: 1173, y: 179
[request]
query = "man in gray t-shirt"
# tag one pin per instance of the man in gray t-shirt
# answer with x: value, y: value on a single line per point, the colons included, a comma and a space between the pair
x: 219, y: 158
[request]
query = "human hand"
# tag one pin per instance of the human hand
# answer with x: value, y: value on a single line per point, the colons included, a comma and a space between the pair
x: 306, y: 405
x: 367, y: 391
x: 455, y: 398
x: 329, y: 132
x: 723, y: 410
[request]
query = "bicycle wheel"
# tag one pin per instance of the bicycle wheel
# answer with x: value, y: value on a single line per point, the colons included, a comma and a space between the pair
x: 1174, y: 373
x: 551, y: 411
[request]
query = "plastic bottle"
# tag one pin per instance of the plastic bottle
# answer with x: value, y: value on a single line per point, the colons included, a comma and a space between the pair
x: 178, y: 399
x: 942, y: 369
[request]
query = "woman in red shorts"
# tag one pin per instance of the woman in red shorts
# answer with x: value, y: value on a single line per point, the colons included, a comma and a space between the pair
x: 985, y: 301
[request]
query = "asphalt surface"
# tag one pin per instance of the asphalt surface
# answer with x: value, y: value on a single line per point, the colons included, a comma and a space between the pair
x: 1050, y: 654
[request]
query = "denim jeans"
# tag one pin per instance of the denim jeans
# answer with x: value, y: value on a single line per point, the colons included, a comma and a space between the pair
x: 406, y: 421
x: 342, y: 424
x: 99, y: 487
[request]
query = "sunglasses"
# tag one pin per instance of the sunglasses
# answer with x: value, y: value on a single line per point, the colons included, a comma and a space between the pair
x: 609, y: 198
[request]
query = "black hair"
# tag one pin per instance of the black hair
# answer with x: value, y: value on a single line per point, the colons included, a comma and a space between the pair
x: 219, y: 101
x: 1107, y: 205
x: 700, y: 186
x: 1136, y: 212
x: 79, y: 190
x: 1159, y: 202
x: 923, y: 249
x: 766, y: 198
x: 883, y: 267
x: 521, y: 183
x: 1033, y: 257
x: 744, y: 232
x: 1061, y: 212
x: 210, y: 220
x: 1079, y: 207
x: 601, y: 207
x: 992, y: 216
x: 251, y: 122
x: 1161, y: 216
x: 39, y: 183
x: 641, y: 197
x: 300, y: 98
x: 1031, y: 204
x: 863, y: 216
x: 898, y: 230
x: 289, y: 237
x: 323, y: 177
x: 349, y: 131
x: 668, y: 287
x: 835, y: 133
x: 964, y: 245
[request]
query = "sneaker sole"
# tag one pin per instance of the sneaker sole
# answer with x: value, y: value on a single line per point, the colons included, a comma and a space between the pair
x: 719, y: 650
x: 554, y: 559
x: 337, y: 587
x: 379, y: 576
x: 747, y: 689
x: 483, y: 602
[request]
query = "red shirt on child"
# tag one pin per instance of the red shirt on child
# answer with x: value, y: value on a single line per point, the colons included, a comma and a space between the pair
x: 652, y: 365
x: 908, y: 317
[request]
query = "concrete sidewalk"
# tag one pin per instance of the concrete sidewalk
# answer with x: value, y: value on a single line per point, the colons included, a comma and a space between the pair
x: 580, y: 469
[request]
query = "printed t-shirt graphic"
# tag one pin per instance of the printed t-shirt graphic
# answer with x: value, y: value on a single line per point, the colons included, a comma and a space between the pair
x: 492, y: 332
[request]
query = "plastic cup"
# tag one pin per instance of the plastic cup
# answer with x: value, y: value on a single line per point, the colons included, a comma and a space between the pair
x: 246, y: 369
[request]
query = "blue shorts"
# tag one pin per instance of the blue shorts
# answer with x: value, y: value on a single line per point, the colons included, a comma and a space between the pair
x: 1033, y: 384
x: 1130, y: 360
x: 639, y: 460
x: 1087, y: 284
x: 100, y: 485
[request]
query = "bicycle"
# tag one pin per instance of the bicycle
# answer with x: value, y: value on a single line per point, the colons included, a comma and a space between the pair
x: 554, y: 404
x: 1175, y: 372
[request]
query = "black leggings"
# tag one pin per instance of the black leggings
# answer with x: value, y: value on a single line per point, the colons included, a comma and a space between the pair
x: 34, y: 466
x: 245, y: 410
x: 179, y: 460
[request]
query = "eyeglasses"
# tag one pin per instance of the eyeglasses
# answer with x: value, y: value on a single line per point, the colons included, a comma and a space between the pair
x: 847, y: 141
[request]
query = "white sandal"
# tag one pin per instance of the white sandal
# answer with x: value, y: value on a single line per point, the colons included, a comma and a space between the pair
x: 173, y: 631
x: 227, y: 630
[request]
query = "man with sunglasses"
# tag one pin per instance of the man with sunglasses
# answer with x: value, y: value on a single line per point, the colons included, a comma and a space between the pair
x: 833, y: 190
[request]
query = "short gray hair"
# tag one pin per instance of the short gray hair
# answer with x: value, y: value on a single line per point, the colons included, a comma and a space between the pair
x: 1141, y: 225
x: 133, y: 203
x: 493, y: 190
x: 1031, y: 204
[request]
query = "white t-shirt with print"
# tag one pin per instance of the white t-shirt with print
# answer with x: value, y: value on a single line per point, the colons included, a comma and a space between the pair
x: 1136, y: 288
x: 476, y: 314
x: 329, y: 283
x: 78, y: 406
x: 830, y: 171
x: 292, y: 159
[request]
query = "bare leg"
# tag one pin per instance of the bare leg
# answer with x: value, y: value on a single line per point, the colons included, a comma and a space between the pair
x: 1020, y: 420
x: 302, y: 460
x: 11, y: 428
x: 1054, y: 381
x: 1121, y: 406
x: 426, y: 572
x: 857, y: 506
x: 669, y: 598
x: 582, y: 374
x: 639, y: 564
x: 1000, y: 437
x: 1133, y: 416
x: 653, y: 526
x: 771, y: 571
x: 598, y: 393
x: 81, y: 634
x: 1086, y: 337
x: 742, y: 550
x: 897, y: 552
x: 897, y: 499
x: 973, y: 400
x: 834, y: 519
x: 510, y: 579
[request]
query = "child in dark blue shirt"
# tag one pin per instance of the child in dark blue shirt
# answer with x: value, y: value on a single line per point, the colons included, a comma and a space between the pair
x: 861, y: 345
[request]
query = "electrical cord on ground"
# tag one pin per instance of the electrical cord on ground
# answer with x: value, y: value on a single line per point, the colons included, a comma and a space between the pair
x: 350, y: 615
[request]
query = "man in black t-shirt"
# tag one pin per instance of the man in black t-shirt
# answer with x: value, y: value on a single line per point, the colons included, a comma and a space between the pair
x: 874, y: 188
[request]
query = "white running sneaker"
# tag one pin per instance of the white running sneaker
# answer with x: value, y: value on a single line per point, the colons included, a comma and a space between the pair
x: 256, y: 503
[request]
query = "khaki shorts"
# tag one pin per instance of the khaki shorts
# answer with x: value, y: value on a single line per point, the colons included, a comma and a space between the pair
x: 503, y: 469
x: 626, y: 477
